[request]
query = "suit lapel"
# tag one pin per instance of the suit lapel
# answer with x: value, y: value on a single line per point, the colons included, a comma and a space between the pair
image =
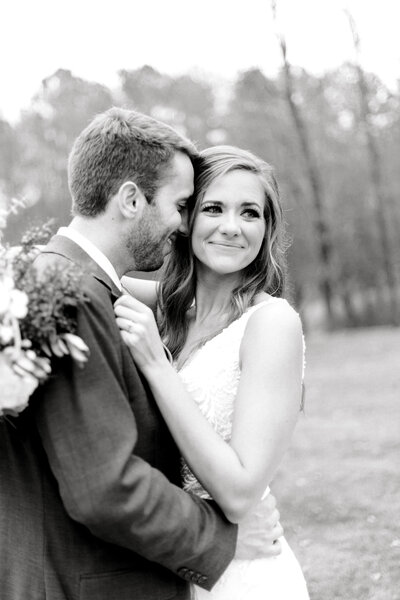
x: 67, y: 248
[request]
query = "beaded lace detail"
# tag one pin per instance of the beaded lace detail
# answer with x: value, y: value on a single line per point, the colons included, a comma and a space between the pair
x: 211, y: 376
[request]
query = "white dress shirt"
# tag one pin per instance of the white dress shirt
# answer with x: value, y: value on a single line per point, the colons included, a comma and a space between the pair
x: 94, y: 253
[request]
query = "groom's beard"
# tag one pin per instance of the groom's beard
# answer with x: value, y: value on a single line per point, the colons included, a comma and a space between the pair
x: 146, y: 246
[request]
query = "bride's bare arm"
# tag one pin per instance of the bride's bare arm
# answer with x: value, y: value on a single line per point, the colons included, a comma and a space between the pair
x: 144, y: 290
x: 266, y: 407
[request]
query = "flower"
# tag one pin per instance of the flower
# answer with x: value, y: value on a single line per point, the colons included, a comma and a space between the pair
x: 15, y: 390
x: 12, y: 301
x: 6, y: 287
x: 19, y: 304
x: 68, y: 343
x: 6, y: 335
x: 38, y: 319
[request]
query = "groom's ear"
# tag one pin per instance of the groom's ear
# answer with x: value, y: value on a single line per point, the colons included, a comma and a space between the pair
x: 130, y: 200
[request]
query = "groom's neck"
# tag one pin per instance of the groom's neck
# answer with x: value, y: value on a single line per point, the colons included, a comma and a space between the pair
x: 100, y: 232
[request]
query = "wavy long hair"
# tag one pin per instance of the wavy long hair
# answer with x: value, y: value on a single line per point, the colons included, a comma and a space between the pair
x: 266, y: 273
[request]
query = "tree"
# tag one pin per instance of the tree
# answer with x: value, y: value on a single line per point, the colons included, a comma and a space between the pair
x: 183, y: 102
x: 8, y: 158
x: 63, y: 106
x: 320, y: 220
x: 257, y: 119
x: 375, y: 177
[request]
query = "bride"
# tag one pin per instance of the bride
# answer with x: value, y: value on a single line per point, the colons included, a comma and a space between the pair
x: 231, y: 396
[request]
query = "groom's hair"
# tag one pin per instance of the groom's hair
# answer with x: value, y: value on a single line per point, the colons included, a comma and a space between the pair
x: 121, y: 145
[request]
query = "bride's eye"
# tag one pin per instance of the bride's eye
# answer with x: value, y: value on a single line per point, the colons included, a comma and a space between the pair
x: 251, y: 213
x: 211, y: 208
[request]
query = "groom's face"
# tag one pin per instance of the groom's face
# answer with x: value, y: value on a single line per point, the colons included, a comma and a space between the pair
x: 162, y: 218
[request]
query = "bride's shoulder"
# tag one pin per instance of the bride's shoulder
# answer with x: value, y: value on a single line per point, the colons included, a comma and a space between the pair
x: 273, y: 302
x: 273, y: 329
x: 271, y: 314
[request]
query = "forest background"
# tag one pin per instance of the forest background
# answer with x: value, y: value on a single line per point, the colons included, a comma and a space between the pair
x: 334, y: 140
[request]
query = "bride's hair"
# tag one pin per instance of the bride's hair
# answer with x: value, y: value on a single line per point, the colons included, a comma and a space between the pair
x: 267, y: 271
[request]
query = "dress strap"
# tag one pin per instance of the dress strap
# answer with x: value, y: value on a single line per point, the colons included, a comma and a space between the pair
x: 270, y: 300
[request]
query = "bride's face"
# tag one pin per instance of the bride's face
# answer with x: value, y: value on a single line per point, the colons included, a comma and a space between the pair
x: 229, y: 227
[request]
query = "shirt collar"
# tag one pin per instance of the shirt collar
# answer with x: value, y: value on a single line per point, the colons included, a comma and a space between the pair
x: 94, y: 253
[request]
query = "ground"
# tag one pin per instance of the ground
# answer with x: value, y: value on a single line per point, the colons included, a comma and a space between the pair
x: 338, y: 488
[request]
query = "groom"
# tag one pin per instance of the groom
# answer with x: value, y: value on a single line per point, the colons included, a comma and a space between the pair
x: 90, y: 505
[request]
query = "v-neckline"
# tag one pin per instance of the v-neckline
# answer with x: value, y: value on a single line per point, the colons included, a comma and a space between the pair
x: 191, y: 355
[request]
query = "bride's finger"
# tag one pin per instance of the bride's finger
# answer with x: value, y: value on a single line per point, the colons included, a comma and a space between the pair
x: 128, y: 338
x: 146, y: 320
x: 133, y: 303
x: 277, y: 531
x: 126, y: 325
x: 127, y: 313
x: 276, y: 548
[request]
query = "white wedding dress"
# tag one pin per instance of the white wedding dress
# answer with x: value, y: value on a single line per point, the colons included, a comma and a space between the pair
x: 211, y: 375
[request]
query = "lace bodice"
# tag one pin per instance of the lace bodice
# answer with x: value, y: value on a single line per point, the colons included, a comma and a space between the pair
x: 211, y: 376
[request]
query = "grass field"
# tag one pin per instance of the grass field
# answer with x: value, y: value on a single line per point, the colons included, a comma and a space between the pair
x: 338, y: 488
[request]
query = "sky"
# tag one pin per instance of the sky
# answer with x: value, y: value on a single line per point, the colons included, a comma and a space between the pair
x: 214, y: 38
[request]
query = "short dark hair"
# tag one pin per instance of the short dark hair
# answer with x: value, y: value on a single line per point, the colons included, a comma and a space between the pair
x: 119, y: 145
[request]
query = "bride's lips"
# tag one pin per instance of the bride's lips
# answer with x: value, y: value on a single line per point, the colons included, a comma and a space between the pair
x: 226, y: 245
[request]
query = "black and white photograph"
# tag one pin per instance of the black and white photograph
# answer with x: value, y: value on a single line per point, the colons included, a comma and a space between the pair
x: 200, y: 300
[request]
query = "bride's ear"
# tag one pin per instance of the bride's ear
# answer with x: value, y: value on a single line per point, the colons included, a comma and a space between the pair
x: 131, y: 200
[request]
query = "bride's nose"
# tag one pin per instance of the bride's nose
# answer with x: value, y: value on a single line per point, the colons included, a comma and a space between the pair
x: 230, y: 225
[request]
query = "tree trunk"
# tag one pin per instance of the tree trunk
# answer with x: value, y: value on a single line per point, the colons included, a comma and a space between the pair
x: 375, y: 174
x: 321, y: 226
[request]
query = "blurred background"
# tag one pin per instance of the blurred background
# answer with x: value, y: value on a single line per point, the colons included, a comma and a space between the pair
x: 313, y: 88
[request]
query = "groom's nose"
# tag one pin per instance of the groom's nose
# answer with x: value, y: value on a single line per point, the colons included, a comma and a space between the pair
x: 183, y: 228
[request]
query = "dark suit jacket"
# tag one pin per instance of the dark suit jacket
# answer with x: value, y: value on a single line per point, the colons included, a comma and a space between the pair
x: 90, y: 506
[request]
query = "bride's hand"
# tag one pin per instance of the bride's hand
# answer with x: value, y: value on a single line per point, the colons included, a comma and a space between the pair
x: 259, y: 531
x: 139, y: 332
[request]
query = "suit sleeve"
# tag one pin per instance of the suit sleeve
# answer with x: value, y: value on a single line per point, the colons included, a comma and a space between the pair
x: 89, y: 433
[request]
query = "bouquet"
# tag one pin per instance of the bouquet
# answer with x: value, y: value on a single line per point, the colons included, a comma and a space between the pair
x: 38, y: 314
